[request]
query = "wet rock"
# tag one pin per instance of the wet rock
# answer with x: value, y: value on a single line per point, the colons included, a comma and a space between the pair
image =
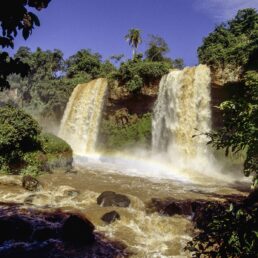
x: 30, y: 183
x: 44, y: 233
x: 171, y: 207
x: 68, y: 191
x: 110, y: 198
x: 77, y: 230
x: 110, y: 217
x: 36, y: 234
x: 14, y: 228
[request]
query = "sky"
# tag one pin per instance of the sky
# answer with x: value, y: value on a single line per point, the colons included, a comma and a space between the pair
x: 101, y: 25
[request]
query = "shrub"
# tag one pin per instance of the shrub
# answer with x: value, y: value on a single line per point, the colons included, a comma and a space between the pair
x: 116, y: 137
x: 23, y: 149
x: 226, y: 231
x: 135, y: 73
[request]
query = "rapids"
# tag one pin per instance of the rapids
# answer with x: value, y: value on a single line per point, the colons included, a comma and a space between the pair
x: 147, y: 235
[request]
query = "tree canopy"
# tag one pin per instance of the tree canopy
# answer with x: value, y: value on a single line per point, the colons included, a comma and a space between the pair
x: 134, y: 38
x: 15, y: 15
x: 234, y: 42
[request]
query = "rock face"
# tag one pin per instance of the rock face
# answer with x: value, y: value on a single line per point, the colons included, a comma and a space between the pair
x: 228, y: 74
x: 30, y: 234
x: 77, y: 230
x: 30, y: 183
x: 135, y: 104
x: 110, y: 198
x: 110, y: 217
x: 171, y: 206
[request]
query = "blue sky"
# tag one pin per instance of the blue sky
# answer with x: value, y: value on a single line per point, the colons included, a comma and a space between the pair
x: 101, y: 25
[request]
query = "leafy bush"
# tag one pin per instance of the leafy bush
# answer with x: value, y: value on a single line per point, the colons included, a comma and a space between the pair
x: 52, y: 144
x: 135, y: 73
x: 116, y: 137
x: 23, y: 149
x: 230, y: 231
x: 233, y: 42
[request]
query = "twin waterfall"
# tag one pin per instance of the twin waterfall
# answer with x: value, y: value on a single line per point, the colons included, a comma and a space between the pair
x: 181, y: 111
x: 80, y: 123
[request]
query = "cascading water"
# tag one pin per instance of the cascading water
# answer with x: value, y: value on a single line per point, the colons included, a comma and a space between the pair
x: 80, y: 123
x: 181, y: 111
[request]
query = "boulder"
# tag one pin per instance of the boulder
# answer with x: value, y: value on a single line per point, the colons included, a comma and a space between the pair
x: 77, y: 230
x: 30, y: 183
x: 44, y: 233
x: 109, y: 198
x: 15, y: 228
x: 110, y: 217
x: 31, y: 233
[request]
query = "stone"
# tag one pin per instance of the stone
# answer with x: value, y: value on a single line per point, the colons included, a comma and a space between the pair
x: 110, y: 217
x: 109, y: 198
x: 14, y: 228
x: 44, y: 233
x: 30, y: 183
x: 77, y: 230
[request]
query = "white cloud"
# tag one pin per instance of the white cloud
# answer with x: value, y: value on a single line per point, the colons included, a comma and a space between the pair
x: 221, y: 10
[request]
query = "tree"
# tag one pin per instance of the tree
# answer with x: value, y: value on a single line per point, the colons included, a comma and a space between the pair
x: 134, y: 39
x: 157, y: 48
x: 14, y: 16
x: 233, y: 42
x: 178, y: 63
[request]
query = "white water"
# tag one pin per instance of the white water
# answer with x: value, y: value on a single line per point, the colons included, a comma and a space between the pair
x: 80, y: 123
x: 181, y: 111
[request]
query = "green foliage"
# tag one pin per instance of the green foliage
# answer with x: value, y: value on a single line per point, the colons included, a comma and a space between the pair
x: 18, y: 134
x: 233, y: 42
x: 135, y: 73
x: 23, y: 149
x: 226, y: 232
x: 134, y: 39
x: 52, y: 144
x: 14, y: 16
x: 84, y: 62
x: 240, y: 119
x: 116, y: 137
x: 157, y: 49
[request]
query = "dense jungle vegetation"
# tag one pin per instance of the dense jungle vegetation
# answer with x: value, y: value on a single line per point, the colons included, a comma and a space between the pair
x: 232, y: 230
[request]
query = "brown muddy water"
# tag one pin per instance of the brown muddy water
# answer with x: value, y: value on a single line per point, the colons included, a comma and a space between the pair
x: 149, y: 235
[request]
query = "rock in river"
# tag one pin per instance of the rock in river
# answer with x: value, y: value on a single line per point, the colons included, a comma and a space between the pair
x: 110, y: 217
x: 110, y: 198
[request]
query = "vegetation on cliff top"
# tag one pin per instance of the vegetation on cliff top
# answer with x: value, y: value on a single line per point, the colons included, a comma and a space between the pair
x: 233, y: 42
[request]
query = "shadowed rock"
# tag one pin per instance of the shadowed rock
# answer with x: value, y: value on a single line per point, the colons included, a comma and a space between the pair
x: 110, y: 217
x: 30, y: 183
x: 77, y: 230
x: 34, y: 234
x: 110, y: 198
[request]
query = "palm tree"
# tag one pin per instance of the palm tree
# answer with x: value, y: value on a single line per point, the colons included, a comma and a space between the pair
x: 134, y: 39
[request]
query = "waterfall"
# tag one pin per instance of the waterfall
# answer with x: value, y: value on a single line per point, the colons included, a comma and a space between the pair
x: 80, y: 123
x: 181, y: 111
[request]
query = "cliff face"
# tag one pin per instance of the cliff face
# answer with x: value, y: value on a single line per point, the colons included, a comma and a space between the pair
x: 124, y: 106
x: 219, y: 93
x: 227, y: 74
